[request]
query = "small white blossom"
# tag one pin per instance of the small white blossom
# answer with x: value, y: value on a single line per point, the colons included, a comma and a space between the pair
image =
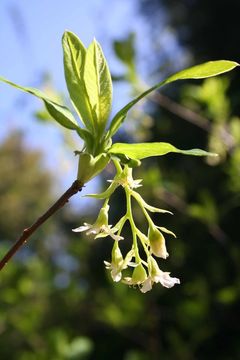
x: 118, y: 263
x: 99, y: 231
x: 90, y: 229
x: 138, y: 277
x: 116, y: 270
x: 158, y: 276
x: 100, y: 228
x: 147, y: 285
x: 125, y: 179
x: 107, y: 230
x: 166, y: 280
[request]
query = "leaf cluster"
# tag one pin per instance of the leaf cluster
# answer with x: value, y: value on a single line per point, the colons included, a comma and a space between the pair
x: 89, y: 85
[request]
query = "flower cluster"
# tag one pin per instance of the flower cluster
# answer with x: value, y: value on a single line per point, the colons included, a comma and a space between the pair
x: 145, y: 271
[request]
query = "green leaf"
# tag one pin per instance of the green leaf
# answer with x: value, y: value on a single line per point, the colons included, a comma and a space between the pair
x: 125, y: 50
x: 74, y: 54
x: 105, y: 194
x: 143, y: 150
x: 150, y: 208
x: 208, y: 69
x: 98, y: 84
x: 163, y: 229
x: 59, y: 112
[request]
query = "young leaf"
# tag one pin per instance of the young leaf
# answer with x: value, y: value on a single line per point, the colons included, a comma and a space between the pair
x: 74, y: 54
x: 59, y: 112
x: 98, y: 84
x: 143, y: 150
x: 208, y: 69
x: 142, y: 202
x: 105, y: 194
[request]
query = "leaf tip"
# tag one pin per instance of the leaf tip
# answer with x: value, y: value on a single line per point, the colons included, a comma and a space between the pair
x: 65, y: 33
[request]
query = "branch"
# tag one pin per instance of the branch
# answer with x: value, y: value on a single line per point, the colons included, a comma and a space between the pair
x: 74, y: 188
x: 178, y: 109
x: 181, y: 111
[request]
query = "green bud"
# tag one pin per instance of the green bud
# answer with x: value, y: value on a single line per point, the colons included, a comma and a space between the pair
x: 153, y: 267
x: 134, y: 163
x: 89, y: 166
x: 157, y: 242
x: 139, y: 275
x: 125, y: 160
x: 117, y: 257
x: 102, y: 218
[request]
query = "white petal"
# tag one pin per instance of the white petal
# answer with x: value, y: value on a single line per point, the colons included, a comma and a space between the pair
x: 82, y: 228
x: 93, y: 230
x: 116, y: 237
x: 166, y: 280
x: 136, y: 183
x: 132, y: 264
x: 107, y: 264
x: 146, y: 286
x: 116, y: 275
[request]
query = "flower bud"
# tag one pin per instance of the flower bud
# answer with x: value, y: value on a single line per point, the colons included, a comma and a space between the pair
x: 139, y: 275
x: 153, y: 266
x: 117, y: 258
x: 157, y: 242
x: 89, y: 166
x: 102, y: 218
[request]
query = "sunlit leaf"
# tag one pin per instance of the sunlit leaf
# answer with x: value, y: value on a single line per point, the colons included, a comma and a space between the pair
x: 59, y: 112
x: 143, y: 150
x: 98, y: 84
x: 105, y: 194
x: 208, y: 69
x: 74, y: 54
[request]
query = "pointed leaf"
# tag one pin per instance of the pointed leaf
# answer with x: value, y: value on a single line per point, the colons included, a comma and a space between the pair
x: 150, y: 208
x: 105, y: 194
x: 59, y: 112
x: 74, y: 54
x: 144, y: 150
x: 165, y: 230
x: 98, y: 84
x: 205, y: 70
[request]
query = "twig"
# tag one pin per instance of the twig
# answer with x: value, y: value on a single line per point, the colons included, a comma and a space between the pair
x: 178, y: 109
x: 181, y: 111
x: 74, y: 188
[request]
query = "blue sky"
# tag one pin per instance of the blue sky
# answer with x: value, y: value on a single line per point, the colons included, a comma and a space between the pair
x: 30, y: 37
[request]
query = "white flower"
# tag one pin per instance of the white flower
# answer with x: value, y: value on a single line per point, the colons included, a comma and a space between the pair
x: 125, y: 179
x: 90, y: 229
x: 166, y: 280
x: 116, y: 270
x: 138, y: 277
x: 118, y: 263
x: 107, y: 230
x: 147, y: 285
x: 99, y: 231
x: 100, y: 228
x: 157, y: 276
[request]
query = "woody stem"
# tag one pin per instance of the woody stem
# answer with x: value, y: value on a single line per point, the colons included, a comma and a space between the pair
x: 74, y: 189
